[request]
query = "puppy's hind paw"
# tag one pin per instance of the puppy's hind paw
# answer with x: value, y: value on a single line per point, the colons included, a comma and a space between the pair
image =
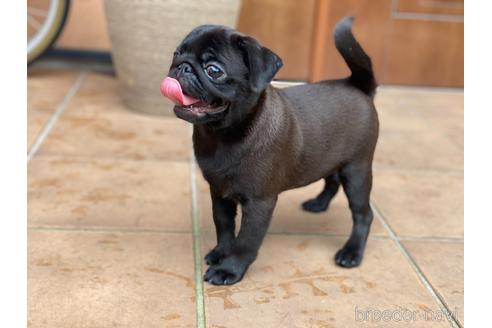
x: 315, y: 205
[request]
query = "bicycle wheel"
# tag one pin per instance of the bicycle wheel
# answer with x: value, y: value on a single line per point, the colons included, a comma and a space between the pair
x: 45, y: 20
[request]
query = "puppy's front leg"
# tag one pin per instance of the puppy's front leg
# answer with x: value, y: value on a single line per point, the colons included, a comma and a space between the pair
x: 224, y: 213
x: 254, y: 224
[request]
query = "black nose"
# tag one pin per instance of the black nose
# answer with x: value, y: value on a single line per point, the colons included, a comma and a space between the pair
x: 184, y: 68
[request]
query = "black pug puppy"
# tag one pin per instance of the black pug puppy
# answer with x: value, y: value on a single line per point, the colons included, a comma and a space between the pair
x: 252, y: 141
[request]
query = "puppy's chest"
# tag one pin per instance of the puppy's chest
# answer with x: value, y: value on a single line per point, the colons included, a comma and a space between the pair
x: 229, y: 176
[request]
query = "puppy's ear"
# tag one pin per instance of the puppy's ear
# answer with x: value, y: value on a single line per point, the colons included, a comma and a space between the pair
x: 262, y: 63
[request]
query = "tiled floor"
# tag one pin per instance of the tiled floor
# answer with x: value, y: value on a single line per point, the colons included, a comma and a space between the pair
x: 119, y: 220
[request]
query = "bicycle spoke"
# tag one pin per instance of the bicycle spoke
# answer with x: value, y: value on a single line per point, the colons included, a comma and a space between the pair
x: 33, y: 22
x: 33, y: 11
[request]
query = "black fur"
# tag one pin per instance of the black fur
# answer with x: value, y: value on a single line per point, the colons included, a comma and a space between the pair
x: 269, y: 140
x: 359, y: 63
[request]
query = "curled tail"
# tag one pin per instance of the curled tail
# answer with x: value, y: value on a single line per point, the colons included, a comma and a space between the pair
x: 357, y: 60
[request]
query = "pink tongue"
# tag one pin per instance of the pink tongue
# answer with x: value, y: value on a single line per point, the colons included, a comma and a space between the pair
x: 171, y: 89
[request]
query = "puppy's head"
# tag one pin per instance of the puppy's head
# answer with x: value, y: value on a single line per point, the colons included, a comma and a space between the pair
x: 221, y: 74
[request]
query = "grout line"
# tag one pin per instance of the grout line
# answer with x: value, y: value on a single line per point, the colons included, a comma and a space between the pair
x: 383, y: 87
x: 200, y: 303
x: 122, y: 116
x: 419, y: 171
x: 184, y: 232
x: 104, y: 229
x: 432, y: 239
x: 418, y: 88
x: 54, y: 118
x: 321, y: 234
x: 423, y: 279
x: 88, y: 158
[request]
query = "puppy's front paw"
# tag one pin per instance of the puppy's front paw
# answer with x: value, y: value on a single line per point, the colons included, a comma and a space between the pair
x: 229, y: 271
x: 214, y: 257
x: 315, y: 205
x: 221, y: 276
x: 348, y: 257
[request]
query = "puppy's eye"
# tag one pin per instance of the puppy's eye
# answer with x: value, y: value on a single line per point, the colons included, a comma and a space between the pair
x: 214, y: 71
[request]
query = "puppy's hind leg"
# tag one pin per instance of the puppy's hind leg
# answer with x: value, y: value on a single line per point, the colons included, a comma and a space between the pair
x: 322, y: 201
x: 357, y: 182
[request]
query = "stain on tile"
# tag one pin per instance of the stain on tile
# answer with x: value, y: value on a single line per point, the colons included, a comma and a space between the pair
x: 79, y: 210
x: 118, y: 137
x: 104, y: 132
x: 370, y: 284
x: 306, y: 289
x: 443, y: 265
x: 103, y: 192
x: 104, y: 195
x: 48, y: 182
x: 188, y: 281
x: 104, y: 241
x: 42, y: 262
x: 302, y: 245
x: 172, y: 316
x: 92, y: 284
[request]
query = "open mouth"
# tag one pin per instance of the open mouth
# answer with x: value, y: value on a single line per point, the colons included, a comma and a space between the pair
x: 201, y: 107
x: 186, y: 104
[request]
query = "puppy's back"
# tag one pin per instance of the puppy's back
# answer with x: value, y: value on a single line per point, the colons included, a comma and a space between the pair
x: 334, y: 117
x: 329, y: 103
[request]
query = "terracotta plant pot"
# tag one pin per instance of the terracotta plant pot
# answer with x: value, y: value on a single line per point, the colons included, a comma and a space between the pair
x: 144, y: 35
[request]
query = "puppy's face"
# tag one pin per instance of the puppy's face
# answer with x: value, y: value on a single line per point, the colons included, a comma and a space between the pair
x: 226, y: 70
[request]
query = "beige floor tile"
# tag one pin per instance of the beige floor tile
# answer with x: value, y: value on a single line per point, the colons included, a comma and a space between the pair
x: 421, y: 203
x: 138, y: 137
x: 421, y: 100
x: 456, y: 134
x: 445, y: 111
x: 46, y: 88
x: 295, y: 283
x: 100, y: 95
x: 395, y: 117
x: 95, y: 279
x: 398, y: 120
x: 417, y: 109
x: 96, y: 123
x: 64, y: 191
x: 449, y: 121
x: 45, y: 91
x: 288, y: 216
x: 442, y: 263
x: 35, y: 123
x: 413, y: 150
